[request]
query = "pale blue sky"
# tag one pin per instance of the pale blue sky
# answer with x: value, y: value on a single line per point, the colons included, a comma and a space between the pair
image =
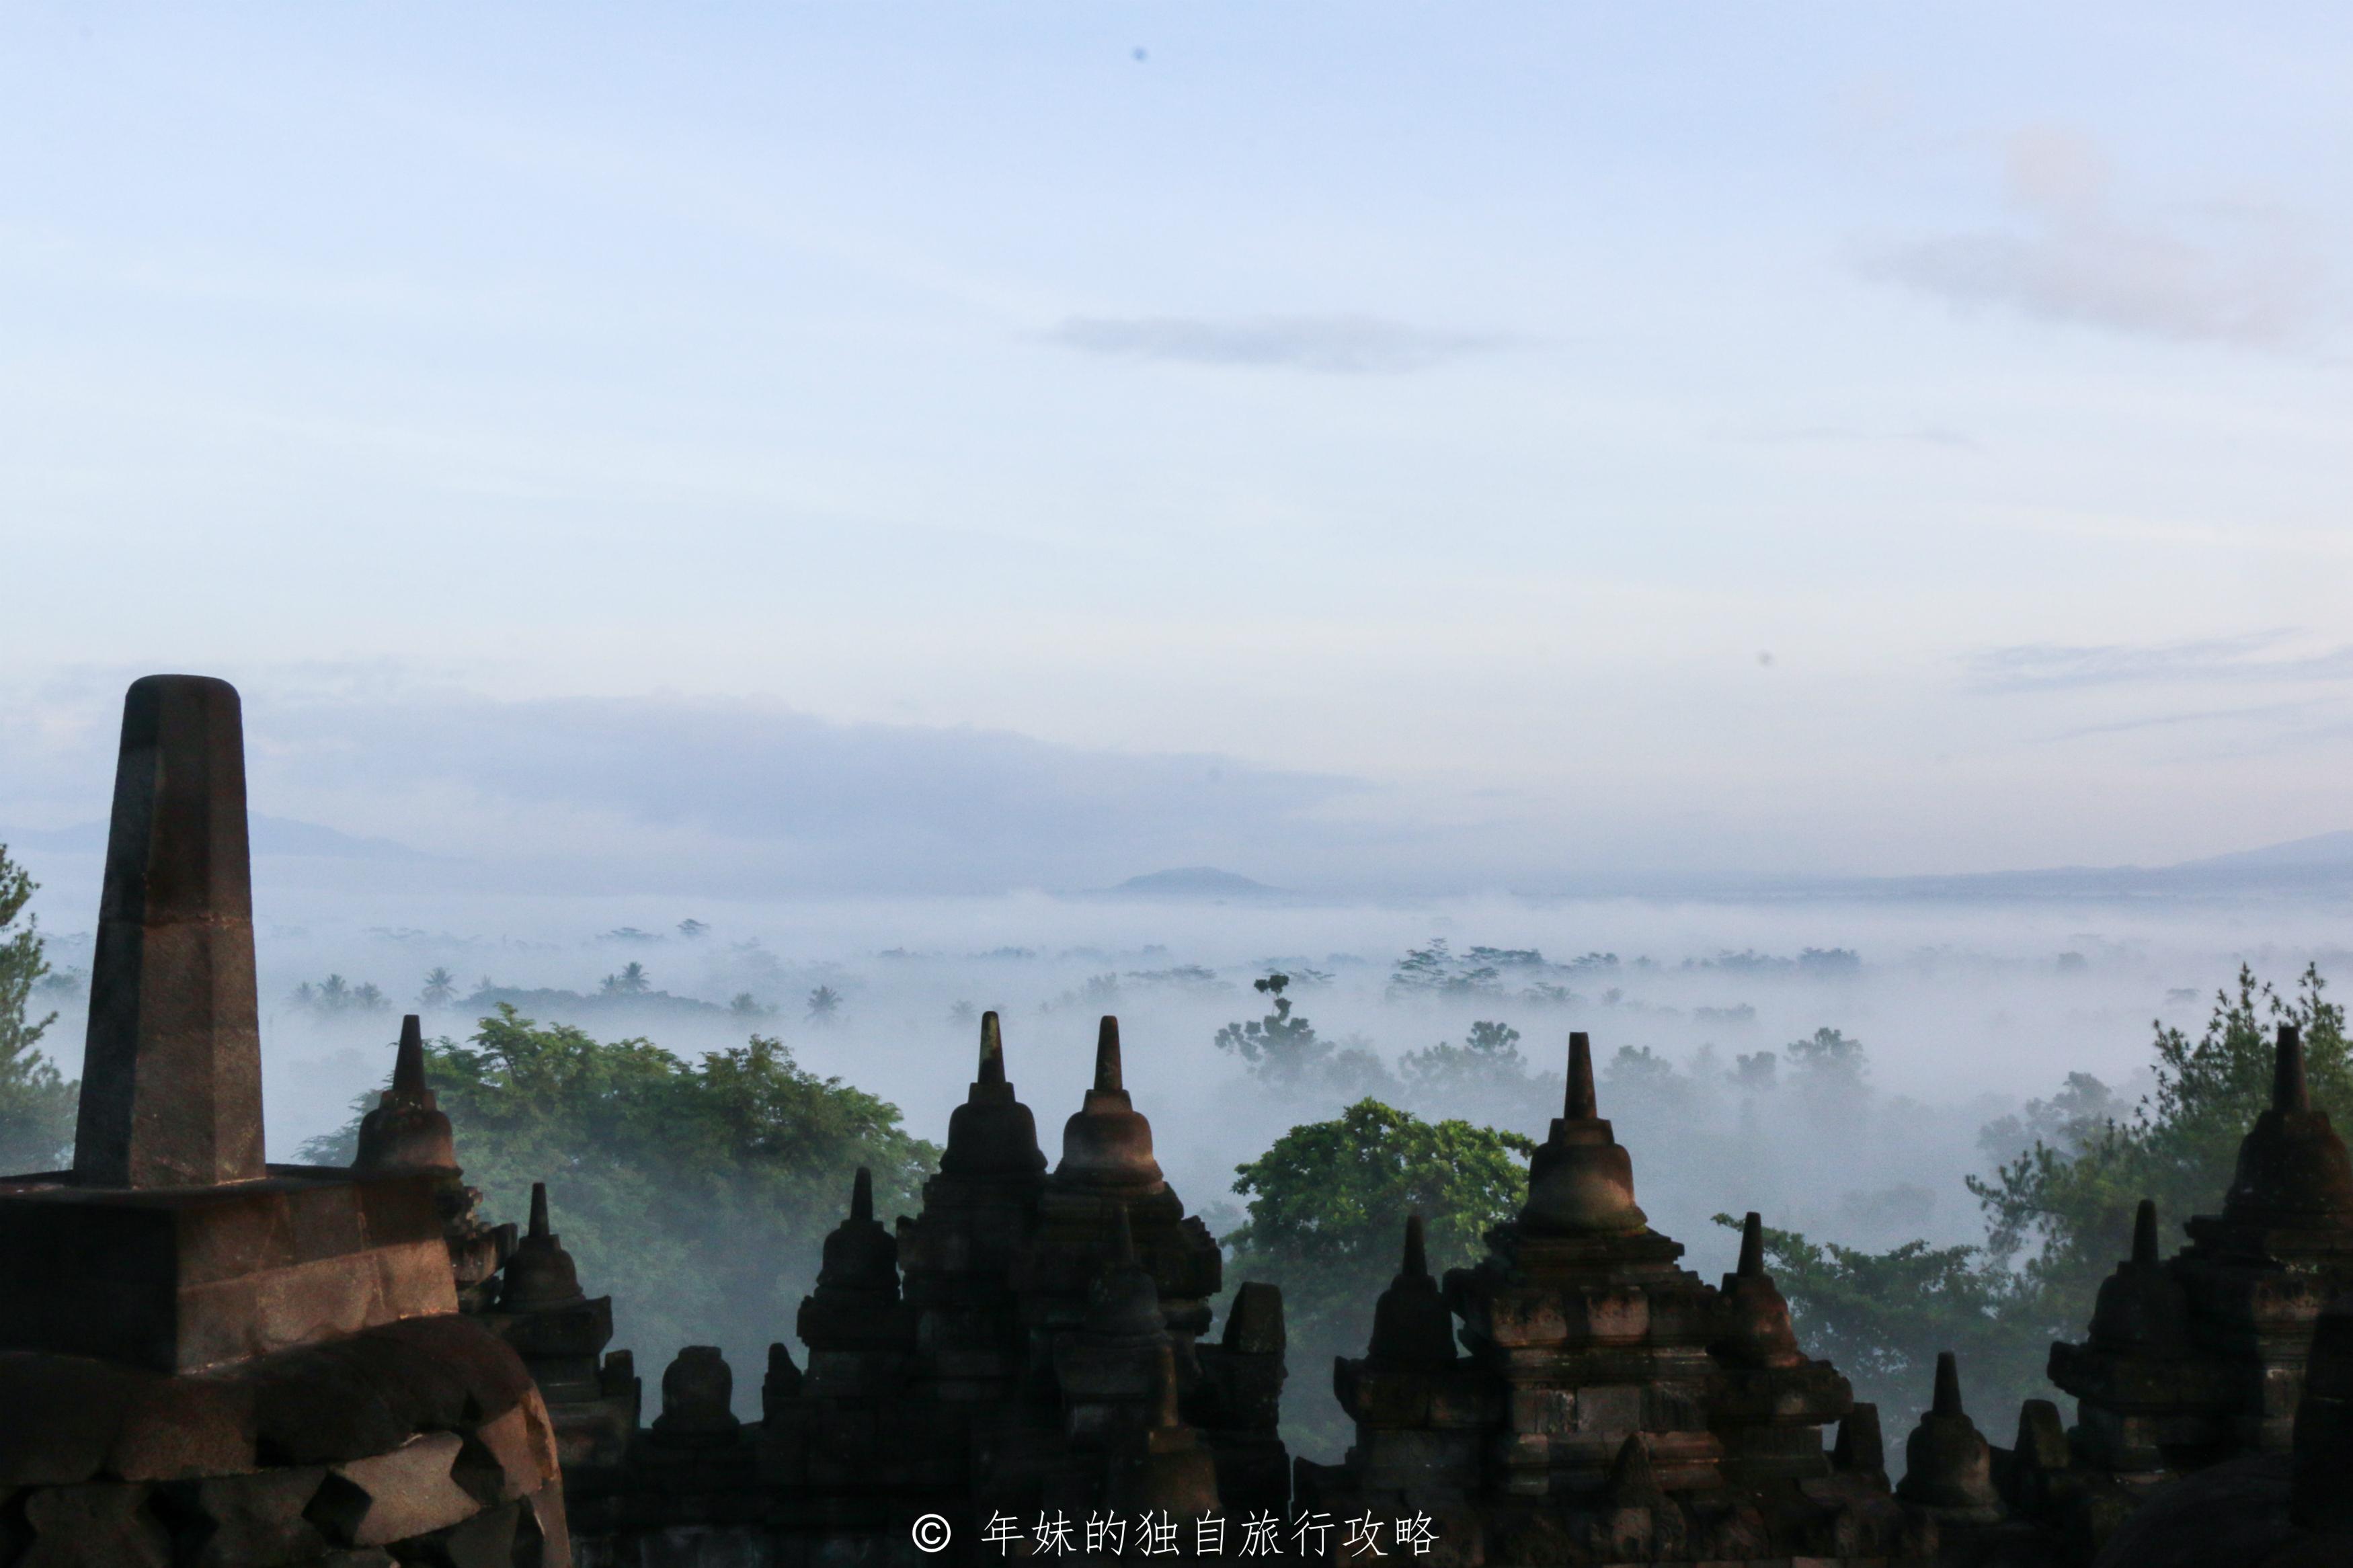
x: 1398, y: 430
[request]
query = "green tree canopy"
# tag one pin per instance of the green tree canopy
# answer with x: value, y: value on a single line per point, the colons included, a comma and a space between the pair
x: 1327, y: 1210
x: 2066, y: 1206
x: 2059, y: 1215
x: 1883, y: 1316
x: 698, y: 1193
x: 36, y: 1101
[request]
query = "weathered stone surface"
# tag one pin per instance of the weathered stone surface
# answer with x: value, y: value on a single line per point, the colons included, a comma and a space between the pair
x: 315, y: 1408
x: 93, y: 1526
x: 182, y: 1279
x: 171, y: 1068
x: 485, y: 1541
x: 178, y: 1426
x: 2233, y: 1514
x: 244, y: 1522
x: 391, y: 1497
x: 544, y: 1535
x: 59, y: 1416
x: 508, y: 1457
x: 493, y: 1377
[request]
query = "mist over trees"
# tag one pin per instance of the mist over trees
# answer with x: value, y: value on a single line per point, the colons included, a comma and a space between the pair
x: 1328, y: 1209
x: 1903, y: 1216
x: 36, y: 1101
x: 697, y: 1193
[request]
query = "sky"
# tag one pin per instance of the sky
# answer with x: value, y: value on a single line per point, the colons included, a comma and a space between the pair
x: 953, y: 448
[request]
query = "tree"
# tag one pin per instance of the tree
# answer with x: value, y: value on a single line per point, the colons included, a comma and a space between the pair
x: 1434, y: 971
x: 692, y: 930
x: 1485, y: 1078
x: 698, y: 1193
x: 824, y: 1005
x: 1327, y: 1210
x: 2059, y: 1212
x: 36, y: 1101
x: 1831, y: 1060
x: 2066, y: 1202
x: 440, y: 988
x: 1881, y: 1317
x: 1284, y: 1049
x: 335, y: 996
x: 630, y: 982
x: 1488, y: 1057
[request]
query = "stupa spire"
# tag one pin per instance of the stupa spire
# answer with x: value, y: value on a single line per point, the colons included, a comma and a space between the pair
x: 1107, y: 1068
x: 1107, y: 1143
x: 992, y: 1134
x: 992, y: 1050
x: 1412, y: 1328
x: 1580, y: 1104
x: 1752, y: 1247
x: 1947, y: 1400
x: 408, y: 1060
x: 1579, y: 1181
x: 2144, y: 1243
x: 540, y: 1274
x: 860, y: 1256
x: 1948, y: 1466
x: 2291, y: 1091
x: 406, y: 1131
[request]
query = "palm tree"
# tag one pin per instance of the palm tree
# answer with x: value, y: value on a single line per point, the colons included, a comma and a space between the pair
x: 824, y: 1005
x: 440, y: 988
x: 630, y: 982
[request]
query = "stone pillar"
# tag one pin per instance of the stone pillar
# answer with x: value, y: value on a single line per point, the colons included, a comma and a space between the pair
x: 171, y: 1090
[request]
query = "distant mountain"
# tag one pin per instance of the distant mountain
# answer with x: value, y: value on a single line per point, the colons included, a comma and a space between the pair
x: 2320, y: 866
x: 268, y: 835
x: 2320, y: 849
x: 1194, y: 882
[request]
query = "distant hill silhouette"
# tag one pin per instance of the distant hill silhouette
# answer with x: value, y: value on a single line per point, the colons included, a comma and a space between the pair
x: 1194, y: 882
x: 2320, y: 849
x: 268, y: 835
x: 2321, y: 865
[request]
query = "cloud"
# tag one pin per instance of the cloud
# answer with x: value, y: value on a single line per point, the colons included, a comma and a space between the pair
x: 760, y: 798
x: 1935, y: 436
x: 2227, y: 272
x: 1336, y: 345
x: 2245, y: 660
x: 2270, y: 713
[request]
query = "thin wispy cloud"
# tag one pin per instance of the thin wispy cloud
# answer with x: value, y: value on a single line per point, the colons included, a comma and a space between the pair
x: 1332, y: 345
x: 2270, y: 713
x: 1935, y: 435
x: 785, y: 798
x: 2253, y: 658
x: 2219, y: 271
